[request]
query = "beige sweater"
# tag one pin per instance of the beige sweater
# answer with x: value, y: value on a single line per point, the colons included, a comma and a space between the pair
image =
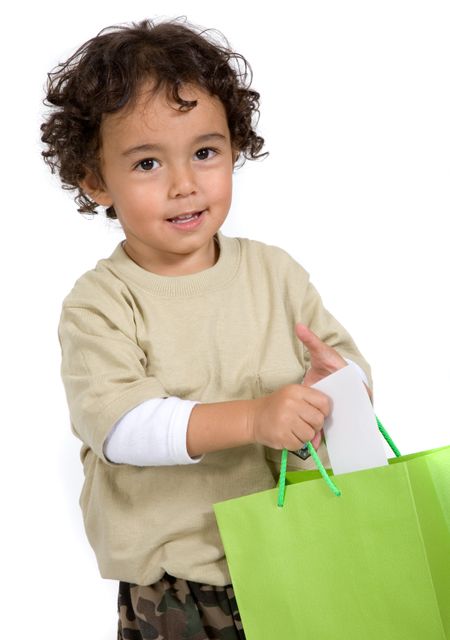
x: 226, y: 333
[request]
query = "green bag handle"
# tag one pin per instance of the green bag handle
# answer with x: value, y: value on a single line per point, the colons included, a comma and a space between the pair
x: 321, y: 468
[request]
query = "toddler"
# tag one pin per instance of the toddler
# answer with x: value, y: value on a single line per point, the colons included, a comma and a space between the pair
x: 187, y: 355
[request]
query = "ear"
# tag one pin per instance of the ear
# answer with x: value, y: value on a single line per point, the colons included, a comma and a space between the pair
x: 93, y: 187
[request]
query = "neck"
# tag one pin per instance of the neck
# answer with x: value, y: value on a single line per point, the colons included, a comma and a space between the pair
x: 175, y: 265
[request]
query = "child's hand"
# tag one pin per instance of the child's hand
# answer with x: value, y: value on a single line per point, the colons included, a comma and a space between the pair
x: 324, y: 359
x: 289, y: 417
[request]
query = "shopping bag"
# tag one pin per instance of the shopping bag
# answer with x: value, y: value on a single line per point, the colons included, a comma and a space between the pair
x: 371, y: 564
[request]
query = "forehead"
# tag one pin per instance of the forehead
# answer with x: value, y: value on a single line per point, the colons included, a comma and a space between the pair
x: 153, y: 118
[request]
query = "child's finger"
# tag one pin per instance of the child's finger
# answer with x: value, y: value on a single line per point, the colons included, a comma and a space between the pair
x: 317, y: 440
x: 322, y: 355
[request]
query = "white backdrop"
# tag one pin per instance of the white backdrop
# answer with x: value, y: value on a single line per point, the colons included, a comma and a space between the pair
x: 355, y: 112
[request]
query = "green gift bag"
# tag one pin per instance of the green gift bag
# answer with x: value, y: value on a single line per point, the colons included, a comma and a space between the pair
x: 370, y: 564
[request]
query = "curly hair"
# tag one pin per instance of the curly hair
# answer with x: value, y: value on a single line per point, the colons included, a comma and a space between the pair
x: 106, y: 73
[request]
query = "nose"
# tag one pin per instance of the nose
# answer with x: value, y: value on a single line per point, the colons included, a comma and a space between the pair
x: 182, y: 181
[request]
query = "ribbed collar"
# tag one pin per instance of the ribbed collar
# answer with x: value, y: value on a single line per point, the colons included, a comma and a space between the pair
x: 170, y: 286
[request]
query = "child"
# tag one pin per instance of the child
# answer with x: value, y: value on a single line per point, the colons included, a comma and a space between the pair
x: 187, y: 356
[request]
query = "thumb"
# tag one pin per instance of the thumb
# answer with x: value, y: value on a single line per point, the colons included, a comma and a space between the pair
x: 317, y: 349
x: 323, y: 357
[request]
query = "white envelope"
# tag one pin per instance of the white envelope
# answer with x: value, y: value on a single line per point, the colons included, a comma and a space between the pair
x: 351, y: 431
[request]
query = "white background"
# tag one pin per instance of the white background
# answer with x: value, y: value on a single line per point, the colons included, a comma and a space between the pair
x: 355, y: 112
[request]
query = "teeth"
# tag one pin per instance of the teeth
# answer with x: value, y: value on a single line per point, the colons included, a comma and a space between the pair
x: 185, y: 218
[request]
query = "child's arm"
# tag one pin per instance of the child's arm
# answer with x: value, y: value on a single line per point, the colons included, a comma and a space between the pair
x: 154, y: 432
x: 103, y: 370
x: 287, y: 418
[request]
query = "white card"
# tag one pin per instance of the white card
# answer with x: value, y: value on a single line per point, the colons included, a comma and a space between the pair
x: 351, y: 431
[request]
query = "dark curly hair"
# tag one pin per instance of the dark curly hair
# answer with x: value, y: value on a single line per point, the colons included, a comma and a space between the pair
x: 106, y: 73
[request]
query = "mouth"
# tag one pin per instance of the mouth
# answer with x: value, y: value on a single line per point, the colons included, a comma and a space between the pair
x: 184, y: 218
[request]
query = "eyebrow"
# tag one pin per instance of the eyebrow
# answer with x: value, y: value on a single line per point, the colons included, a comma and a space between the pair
x: 157, y: 147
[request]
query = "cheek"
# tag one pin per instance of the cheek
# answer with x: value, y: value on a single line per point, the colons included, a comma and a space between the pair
x: 138, y: 193
x: 220, y: 187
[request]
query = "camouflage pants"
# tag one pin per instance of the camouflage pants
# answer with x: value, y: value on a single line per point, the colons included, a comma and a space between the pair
x: 174, y: 609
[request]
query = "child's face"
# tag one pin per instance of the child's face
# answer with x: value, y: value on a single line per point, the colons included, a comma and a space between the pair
x: 158, y: 163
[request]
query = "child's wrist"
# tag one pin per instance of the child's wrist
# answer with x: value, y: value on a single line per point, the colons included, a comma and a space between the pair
x: 251, y: 420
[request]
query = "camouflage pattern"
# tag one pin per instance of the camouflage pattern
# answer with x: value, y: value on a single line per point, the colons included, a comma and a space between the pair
x: 174, y: 609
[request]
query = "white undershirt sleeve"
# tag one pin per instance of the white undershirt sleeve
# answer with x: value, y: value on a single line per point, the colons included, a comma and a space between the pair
x: 152, y: 434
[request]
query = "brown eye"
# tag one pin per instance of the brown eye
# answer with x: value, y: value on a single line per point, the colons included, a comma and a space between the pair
x: 203, y: 154
x: 147, y: 165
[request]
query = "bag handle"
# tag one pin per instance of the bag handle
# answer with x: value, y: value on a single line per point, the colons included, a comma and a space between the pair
x: 321, y: 468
